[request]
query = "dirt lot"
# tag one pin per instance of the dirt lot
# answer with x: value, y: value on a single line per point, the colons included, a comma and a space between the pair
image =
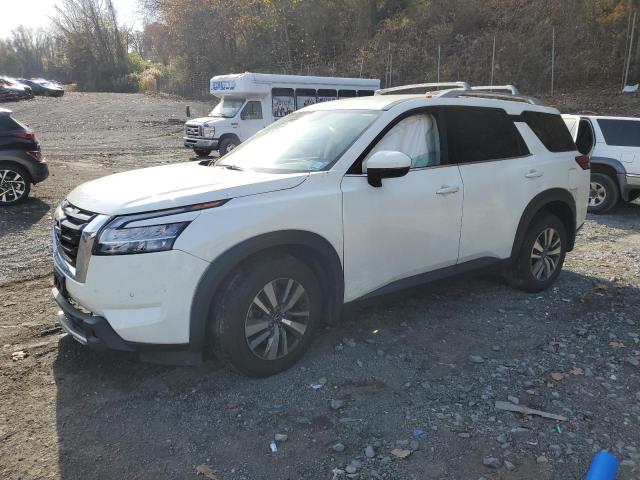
x: 419, y: 371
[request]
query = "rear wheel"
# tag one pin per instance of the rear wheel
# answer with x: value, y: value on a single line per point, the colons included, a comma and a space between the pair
x: 603, y: 193
x: 541, y: 255
x: 15, y: 184
x: 266, y: 314
x: 201, y: 153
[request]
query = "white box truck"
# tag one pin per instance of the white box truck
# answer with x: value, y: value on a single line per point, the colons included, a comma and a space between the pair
x: 251, y: 101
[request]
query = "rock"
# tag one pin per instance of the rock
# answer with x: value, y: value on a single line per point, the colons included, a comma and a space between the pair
x: 514, y: 400
x: 495, y: 348
x: 414, y: 445
x: 502, y: 438
x: 491, y: 462
x: 400, y: 452
x: 385, y: 460
x: 464, y: 435
x: 633, y: 361
x: 542, y: 459
x: 369, y: 452
x: 353, y: 467
x: 476, y: 359
x: 338, y: 447
x: 337, y: 404
x: 509, y: 466
x: 281, y: 437
x: 350, y: 342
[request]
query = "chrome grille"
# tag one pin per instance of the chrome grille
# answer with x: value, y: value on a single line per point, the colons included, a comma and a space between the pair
x: 68, y: 230
x: 193, y: 130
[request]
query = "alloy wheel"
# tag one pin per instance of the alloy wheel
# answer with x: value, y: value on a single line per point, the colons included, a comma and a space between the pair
x: 277, y: 319
x: 12, y: 186
x: 597, y: 194
x: 545, y: 254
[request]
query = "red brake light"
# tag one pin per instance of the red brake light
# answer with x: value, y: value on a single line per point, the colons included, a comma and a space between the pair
x: 584, y: 161
x: 26, y: 135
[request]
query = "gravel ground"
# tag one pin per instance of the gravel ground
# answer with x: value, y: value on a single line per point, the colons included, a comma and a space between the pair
x: 415, y: 374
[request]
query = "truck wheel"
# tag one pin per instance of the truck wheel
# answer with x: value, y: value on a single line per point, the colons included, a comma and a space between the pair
x: 227, y: 145
x: 201, y: 153
x: 603, y: 193
x: 15, y: 184
x: 541, y: 255
x: 266, y: 314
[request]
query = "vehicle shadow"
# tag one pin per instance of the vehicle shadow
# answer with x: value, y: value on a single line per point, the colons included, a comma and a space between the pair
x: 624, y: 216
x: 120, y: 418
x: 21, y: 217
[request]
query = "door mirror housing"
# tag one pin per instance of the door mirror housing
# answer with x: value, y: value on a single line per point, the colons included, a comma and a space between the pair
x: 387, y: 164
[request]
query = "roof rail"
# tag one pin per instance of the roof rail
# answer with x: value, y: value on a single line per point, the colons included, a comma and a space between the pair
x: 418, y: 88
x: 492, y: 95
x: 497, y: 89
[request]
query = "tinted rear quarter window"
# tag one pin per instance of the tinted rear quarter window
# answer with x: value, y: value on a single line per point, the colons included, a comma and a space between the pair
x: 620, y: 133
x: 477, y: 134
x: 551, y: 130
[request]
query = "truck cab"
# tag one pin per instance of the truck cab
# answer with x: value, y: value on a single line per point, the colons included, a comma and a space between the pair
x: 251, y: 101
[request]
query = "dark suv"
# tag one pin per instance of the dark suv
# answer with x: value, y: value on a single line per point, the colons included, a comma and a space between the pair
x: 21, y: 161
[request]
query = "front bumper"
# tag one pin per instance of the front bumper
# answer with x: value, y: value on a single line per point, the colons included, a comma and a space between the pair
x: 88, y: 329
x: 201, y: 143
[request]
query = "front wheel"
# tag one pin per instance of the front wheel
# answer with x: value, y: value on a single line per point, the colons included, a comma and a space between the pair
x: 227, y: 145
x: 266, y: 314
x: 603, y: 193
x: 14, y: 184
x: 541, y: 255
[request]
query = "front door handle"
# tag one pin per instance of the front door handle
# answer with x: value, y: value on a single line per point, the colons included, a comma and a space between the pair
x: 445, y: 189
x: 533, y: 174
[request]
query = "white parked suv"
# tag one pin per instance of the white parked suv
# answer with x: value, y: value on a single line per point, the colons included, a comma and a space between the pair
x: 614, y: 146
x: 247, y: 256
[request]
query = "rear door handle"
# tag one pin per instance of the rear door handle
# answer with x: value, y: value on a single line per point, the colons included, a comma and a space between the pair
x: 533, y: 174
x: 445, y: 189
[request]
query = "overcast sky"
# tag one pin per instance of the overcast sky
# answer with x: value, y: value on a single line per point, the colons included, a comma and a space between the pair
x: 37, y: 13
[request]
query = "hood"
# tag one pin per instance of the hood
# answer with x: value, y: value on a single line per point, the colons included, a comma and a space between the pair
x: 176, y: 185
x: 201, y: 120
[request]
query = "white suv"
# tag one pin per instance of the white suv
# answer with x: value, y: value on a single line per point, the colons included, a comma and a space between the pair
x: 335, y: 203
x: 614, y: 146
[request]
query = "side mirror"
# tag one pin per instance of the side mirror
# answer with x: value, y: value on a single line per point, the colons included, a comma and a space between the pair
x: 387, y: 164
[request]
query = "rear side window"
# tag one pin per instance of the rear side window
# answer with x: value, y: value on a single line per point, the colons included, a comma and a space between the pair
x: 478, y: 134
x: 551, y: 130
x: 283, y: 102
x: 621, y: 133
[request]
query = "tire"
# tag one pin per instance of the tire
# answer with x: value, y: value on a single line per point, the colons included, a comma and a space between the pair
x: 201, y: 153
x: 15, y: 184
x: 227, y: 145
x: 525, y: 273
x: 241, y: 329
x: 603, y: 193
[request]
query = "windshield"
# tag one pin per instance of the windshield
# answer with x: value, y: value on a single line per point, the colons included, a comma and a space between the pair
x: 227, y: 108
x: 301, y: 142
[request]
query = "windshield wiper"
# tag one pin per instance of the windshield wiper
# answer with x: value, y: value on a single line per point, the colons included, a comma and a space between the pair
x: 233, y: 167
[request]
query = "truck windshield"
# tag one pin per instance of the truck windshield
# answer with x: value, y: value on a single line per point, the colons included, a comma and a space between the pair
x: 228, y: 107
x: 301, y: 142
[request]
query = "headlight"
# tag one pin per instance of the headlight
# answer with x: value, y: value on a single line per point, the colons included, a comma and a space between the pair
x: 209, y: 130
x: 118, y: 239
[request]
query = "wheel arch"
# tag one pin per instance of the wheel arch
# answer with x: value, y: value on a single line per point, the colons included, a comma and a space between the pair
x: 311, y: 248
x: 225, y: 136
x: 20, y: 163
x: 557, y: 201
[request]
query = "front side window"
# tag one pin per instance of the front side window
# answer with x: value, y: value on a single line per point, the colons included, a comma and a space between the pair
x: 417, y: 137
x: 476, y: 134
x: 252, y: 111
x: 620, y: 133
x: 283, y: 102
x: 228, y: 107
x: 301, y: 142
x: 551, y: 130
